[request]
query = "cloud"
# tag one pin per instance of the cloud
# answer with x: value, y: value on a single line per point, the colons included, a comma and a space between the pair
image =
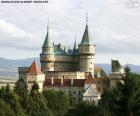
x: 11, y: 36
x: 113, y: 26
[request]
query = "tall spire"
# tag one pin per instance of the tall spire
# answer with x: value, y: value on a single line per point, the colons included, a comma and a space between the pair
x: 75, y: 45
x: 86, y: 40
x: 48, y: 25
x: 47, y: 42
x: 87, y: 19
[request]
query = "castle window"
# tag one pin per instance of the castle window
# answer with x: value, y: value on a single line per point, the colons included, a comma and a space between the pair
x: 98, y: 82
x: 91, y: 62
x: 98, y: 88
x: 90, y: 68
x: 79, y: 92
x: 74, y: 92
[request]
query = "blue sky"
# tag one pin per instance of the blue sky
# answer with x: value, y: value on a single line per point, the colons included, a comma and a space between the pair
x: 114, y: 27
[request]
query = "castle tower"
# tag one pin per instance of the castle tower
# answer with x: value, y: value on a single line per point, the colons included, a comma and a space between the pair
x: 34, y: 74
x: 47, y: 56
x: 87, y: 52
x: 75, y: 53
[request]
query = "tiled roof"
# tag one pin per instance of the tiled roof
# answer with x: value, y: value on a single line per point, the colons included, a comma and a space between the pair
x: 62, y: 50
x: 66, y: 83
x: 90, y: 80
x: 34, y: 69
x: 79, y: 82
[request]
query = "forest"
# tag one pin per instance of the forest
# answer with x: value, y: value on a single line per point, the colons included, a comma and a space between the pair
x: 122, y: 100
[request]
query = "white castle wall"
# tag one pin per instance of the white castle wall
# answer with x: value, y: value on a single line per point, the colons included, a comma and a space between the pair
x: 66, y: 75
x: 87, y: 58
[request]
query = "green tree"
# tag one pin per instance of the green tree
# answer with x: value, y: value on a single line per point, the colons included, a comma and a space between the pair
x: 124, y: 98
x: 5, y: 109
x: 35, y: 86
x: 134, y: 101
x: 83, y: 109
x: 37, y: 104
x: 21, y: 89
x: 58, y: 101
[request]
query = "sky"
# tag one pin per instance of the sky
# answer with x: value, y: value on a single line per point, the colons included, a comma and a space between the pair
x: 114, y: 26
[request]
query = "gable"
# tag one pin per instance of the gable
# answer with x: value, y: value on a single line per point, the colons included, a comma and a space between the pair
x: 90, y: 92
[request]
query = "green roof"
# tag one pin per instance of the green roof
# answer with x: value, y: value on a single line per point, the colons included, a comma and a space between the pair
x: 47, y: 42
x: 86, y: 40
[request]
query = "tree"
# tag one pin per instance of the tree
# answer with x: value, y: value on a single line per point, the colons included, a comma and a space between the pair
x: 124, y: 98
x: 83, y: 109
x: 134, y: 101
x: 58, y: 101
x: 35, y: 86
x: 12, y: 99
x: 37, y: 103
x: 21, y: 89
x: 5, y: 109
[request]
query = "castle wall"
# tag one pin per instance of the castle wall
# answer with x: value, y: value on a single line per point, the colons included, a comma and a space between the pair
x: 58, y: 63
x: 66, y: 75
x: 102, y: 84
x: 31, y: 78
x: 86, y: 58
x: 87, y: 49
x: 76, y: 92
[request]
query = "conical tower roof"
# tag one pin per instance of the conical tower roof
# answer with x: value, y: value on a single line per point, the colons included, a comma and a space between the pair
x: 47, y: 42
x: 34, y: 69
x: 75, y: 45
x: 86, y: 40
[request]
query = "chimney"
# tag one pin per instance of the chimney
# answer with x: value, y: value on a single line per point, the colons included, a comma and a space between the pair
x: 72, y: 81
x: 52, y: 81
x: 62, y: 81
x: 98, y: 74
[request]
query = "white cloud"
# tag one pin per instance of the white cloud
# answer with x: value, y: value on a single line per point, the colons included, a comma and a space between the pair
x: 9, y: 29
x: 113, y: 26
x: 11, y: 36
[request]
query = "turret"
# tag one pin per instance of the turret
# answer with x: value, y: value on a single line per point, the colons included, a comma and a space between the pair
x: 75, y: 56
x: 47, y: 56
x: 87, y: 52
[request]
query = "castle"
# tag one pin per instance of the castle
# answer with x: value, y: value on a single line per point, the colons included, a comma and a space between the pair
x: 59, y: 59
x: 69, y: 70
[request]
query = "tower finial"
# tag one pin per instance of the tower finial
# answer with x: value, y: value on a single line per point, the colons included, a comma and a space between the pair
x: 75, y: 46
x: 86, y: 19
x: 48, y: 24
x: 75, y: 37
